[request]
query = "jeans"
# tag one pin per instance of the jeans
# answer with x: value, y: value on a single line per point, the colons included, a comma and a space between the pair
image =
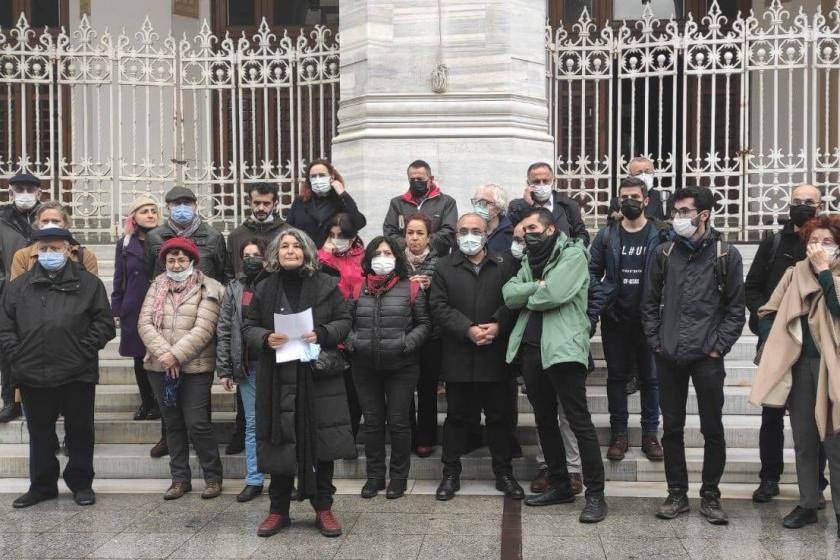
x: 464, y: 403
x: 625, y: 346
x: 189, y: 422
x: 248, y: 390
x: 42, y: 405
x: 570, y: 443
x: 771, y: 444
x: 708, y: 376
x: 563, y: 385
x: 806, y: 437
x: 280, y: 489
x: 385, y: 396
x: 424, y: 424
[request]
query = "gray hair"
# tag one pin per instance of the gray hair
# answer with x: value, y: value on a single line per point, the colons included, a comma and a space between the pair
x: 639, y: 159
x: 53, y: 205
x: 500, y: 199
x: 310, y: 253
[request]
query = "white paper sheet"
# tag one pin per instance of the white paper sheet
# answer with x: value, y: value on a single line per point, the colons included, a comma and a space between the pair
x: 293, y: 326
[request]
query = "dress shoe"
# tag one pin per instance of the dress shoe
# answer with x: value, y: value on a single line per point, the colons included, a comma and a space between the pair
x: 249, y: 493
x: 550, y: 497
x: 396, y: 488
x: 675, y: 504
x: 32, y: 498
x: 765, y: 492
x: 10, y: 412
x: 447, y: 488
x: 212, y: 489
x: 176, y: 490
x: 272, y: 524
x: 618, y: 447
x: 424, y: 451
x: 540, y: 482
x: 327, y: 523
x: 595, y: 509
x: 507, y: 484
x: 372, y: 487
x: 86, y: 497
x: 236, y: 445
x: 652, y: 448
x: 160, y: 449
x: 799, y: 517
x: 711, y: 509
x: 141, y: 413
x: 576, y: 483
x: 154, y: 413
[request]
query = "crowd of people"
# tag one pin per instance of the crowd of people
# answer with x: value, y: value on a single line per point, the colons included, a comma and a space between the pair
x: 475, y: 305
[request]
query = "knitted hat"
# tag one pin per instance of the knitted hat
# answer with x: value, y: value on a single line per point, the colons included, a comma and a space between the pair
x: 180, y: 244
x: 140, y: 202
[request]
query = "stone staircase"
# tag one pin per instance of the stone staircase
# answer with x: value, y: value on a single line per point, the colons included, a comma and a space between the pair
x: 123, y: 444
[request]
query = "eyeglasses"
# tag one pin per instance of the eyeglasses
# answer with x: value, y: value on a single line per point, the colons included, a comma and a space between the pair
x: 682, y: 212
x: 805, y: 202
x: 481, y: 203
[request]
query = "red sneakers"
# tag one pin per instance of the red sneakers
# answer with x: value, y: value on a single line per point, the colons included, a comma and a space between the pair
x: 327, y: 523
x: 272, y: 524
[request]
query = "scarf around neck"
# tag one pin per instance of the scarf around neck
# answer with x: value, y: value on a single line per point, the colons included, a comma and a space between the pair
x: 180, y: 292
x: 416, y: 261
x: 539, y: 258
x: 379, y: 284
x: 185, y: 230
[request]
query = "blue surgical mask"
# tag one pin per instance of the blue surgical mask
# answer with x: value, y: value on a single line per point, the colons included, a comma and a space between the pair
x: 182, y: 214
x: 52, y: 261
x: 518, y: 250
x: 320, y: 185
x: 482, y: 211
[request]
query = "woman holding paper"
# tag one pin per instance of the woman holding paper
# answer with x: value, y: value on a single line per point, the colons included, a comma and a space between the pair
x: 178, y: 326
x: 390, y: 324
x: 302, y: 419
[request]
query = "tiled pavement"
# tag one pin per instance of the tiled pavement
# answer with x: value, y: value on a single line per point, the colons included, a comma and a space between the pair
x: 417, y: 526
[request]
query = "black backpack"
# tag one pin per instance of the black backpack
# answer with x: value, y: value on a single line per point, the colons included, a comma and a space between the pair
x: 721, y: 263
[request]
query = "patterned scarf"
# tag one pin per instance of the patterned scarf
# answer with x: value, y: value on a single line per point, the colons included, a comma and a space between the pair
x: 180, y: 292
x: 416, y: 261
x: 377, y: 284
x: 185, y: 230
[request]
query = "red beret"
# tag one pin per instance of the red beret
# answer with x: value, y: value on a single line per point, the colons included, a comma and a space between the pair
x: 180, y: 244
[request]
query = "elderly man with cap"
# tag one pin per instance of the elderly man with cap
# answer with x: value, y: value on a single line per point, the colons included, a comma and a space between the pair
x: 184, y: 221
x: 60, y: 306
x: 15, y: 233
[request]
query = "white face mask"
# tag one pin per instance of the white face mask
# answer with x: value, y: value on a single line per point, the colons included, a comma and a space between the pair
x: 470, y: 244
x: 832, y: 250
x: 25, y: 200
x: 383, y: 265
x: 320, y: 185
x: 542, y: 192
x: 647, y: 179
x: 684, y: 227
x: 518, y: 250
x: 341, y: 245
x: 180, y: 276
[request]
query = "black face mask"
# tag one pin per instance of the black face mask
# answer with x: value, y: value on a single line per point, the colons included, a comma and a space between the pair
x: 631, y: 209
x: 535, y: 241
x: 252, y: 266
x: 801, y: 214
x: 418, y: 187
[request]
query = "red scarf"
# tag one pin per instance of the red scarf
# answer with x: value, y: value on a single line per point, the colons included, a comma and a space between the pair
x: 377, y: 285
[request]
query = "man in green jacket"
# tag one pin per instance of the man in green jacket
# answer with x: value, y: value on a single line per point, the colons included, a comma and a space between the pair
x: 551, y: 339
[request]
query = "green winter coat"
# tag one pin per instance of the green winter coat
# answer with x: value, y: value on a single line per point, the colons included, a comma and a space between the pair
x: 562, y: 301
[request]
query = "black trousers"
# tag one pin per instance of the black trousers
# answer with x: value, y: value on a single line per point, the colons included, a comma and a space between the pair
x: 424, y: 426
x: 147, y: 395
x: 708, y: 376
x: 566, y: 383
x: 771, y: 445
x: 464, y: 403
x: 7, y: 392
x: 352, y: 402
x: 42, y: 406
x: 281, y: 486
x: 385, y: 396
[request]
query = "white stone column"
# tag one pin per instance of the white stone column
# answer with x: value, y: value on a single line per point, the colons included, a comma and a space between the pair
x: 489, y: 125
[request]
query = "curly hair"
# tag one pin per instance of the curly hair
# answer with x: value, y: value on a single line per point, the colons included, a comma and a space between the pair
x: 829, y: 222
x: 400, y: 267
x: 311, y: 264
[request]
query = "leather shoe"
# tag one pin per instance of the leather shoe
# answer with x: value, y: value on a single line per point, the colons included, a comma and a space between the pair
x: 540, y: 482
x: 799, y: 517
x: 86, y: 497
x: 176, y: 490
x: 372, y: 487
x: 711, y: 509
x: 141, y: 413
x: 272, y: 524
x: 327, y: 523
x: 249, y: 493
x: 32, y: 498
x: 10, y: 412
x: 550, y: 497
x: 595, y: 509
x: 447, y: 488
x: 236, y: 445
x: 396, y: 488
x: 424, y: 451
x: 765, y: 492
x: 618, y: 447
x: 212, y: 489
x: 160, y: 449
x: 651, y: 448
x: 507, y: 484
x: 576, y: 483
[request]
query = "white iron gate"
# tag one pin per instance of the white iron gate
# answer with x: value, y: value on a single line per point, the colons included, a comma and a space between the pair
x: 104, y: 118
x: 748, y: 107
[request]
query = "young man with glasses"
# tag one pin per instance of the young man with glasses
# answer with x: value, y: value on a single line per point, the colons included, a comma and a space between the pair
x: 692, y: 314
x: 777, y: 253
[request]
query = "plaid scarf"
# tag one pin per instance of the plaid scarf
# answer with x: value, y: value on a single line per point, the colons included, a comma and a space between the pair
x: 185, y: 230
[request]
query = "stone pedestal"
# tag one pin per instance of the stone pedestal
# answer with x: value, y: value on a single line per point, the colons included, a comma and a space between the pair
x: 488, y: 126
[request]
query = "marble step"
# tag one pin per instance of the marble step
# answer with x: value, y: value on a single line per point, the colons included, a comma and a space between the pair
x: 124, y: 461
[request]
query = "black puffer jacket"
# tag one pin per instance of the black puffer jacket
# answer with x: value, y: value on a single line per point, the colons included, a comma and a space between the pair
x: 388, y: 330
x: 211, y: 249
x: 684, y: 315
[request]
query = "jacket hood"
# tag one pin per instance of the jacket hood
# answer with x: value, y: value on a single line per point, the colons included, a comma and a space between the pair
x: 434, y: 192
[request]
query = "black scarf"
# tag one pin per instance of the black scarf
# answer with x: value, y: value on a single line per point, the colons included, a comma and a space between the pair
x: 538, y: 256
